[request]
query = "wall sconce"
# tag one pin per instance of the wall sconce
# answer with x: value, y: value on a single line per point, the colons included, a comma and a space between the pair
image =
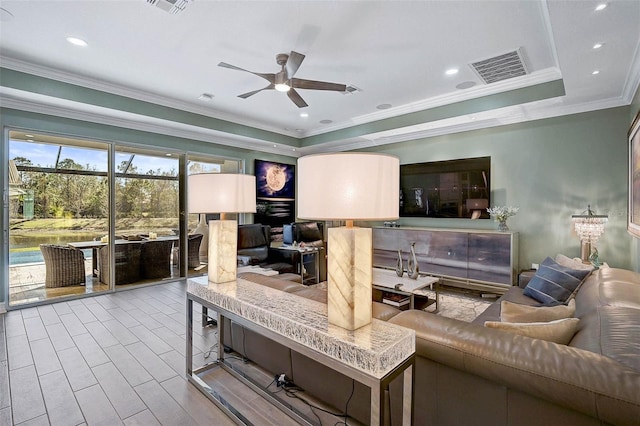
x: 589, y: 227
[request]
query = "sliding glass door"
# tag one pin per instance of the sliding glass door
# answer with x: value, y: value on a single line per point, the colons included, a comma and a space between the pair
x: 58, y: 212
x: 147, y: 223
x: 89, y: 216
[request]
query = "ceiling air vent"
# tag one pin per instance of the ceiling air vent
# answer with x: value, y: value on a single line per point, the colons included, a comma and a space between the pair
x: 500, y: 67
x: 171, y: 6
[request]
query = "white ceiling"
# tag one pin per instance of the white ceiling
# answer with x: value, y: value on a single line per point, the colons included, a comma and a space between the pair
x: 396, y: 52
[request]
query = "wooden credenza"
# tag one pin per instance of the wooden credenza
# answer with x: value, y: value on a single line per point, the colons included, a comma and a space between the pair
x: 479, y: 259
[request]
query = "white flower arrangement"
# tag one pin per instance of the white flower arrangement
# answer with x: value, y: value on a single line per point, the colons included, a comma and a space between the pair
x: 502, y: 213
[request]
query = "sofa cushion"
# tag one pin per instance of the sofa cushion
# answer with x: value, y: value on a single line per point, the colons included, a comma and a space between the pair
x: 273, y: 282
x: 573, y: 263
x: 558, y: 331
x: 308, y: 231
x: 514, y: 295
x: 515, y: 312
x: 554, y: 283
x: 250, y: 236
x: 611, y: 331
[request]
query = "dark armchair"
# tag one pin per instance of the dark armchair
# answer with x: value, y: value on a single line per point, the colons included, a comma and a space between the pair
x: 254, y: 242
x: 64, y: 266
x: 127, y: 262
x: 155, y: 258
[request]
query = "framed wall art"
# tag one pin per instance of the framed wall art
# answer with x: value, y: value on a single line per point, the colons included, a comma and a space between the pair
x: 633, y: 225
x: 275, y: 195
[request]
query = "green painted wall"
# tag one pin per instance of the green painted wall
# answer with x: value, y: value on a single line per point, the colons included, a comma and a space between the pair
x: 551, y: 169
x: 15, y: 119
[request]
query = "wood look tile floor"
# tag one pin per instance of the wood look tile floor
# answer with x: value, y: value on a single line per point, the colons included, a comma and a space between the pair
x: 111, y: 359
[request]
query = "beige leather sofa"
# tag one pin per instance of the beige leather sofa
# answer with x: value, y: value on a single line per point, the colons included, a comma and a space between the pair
x: 467, y: 374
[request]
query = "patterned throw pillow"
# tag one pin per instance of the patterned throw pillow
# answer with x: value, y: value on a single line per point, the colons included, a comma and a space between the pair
x: 554, y: 283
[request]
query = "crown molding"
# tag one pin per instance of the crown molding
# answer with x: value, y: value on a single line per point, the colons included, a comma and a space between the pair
x: 632, y: 82
x: 127, y: 92
x: 538, y: 77
x: 40, y: 104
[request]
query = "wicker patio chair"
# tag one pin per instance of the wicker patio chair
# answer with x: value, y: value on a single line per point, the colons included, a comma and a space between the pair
x: 127, y: 263
x: 156, y: 258
x: 194, y: 250
x: 64, y: 266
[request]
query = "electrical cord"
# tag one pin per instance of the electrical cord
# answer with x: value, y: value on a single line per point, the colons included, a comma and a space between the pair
x: 346, y: 407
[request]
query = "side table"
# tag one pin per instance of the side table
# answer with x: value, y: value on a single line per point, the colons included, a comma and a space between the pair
x: 387, y: 280
x: 305, y: 253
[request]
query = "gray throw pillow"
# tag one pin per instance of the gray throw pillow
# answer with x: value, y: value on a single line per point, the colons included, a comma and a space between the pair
x: 553, y: 283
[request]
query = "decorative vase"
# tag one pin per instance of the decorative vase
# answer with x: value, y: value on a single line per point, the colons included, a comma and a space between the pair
x: 412, y: 263
x: 399, y: 270
x: 502, y: 226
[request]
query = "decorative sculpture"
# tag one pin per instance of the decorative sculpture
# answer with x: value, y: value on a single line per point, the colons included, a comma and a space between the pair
x: 399, y: 267
x: 412, y: 263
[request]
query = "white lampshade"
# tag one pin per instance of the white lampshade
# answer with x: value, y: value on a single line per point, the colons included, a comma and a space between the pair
x: 348, y: 186
x: 222, y: 193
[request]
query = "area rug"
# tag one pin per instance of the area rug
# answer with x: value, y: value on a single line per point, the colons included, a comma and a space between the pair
x: 462, y: 307
x: 453, y: 304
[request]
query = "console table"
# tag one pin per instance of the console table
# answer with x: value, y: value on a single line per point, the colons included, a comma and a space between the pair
x: 373, y: 355
x: 484, y: 260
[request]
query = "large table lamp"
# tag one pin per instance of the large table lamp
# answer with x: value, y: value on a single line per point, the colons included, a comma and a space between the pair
x: 222, y: 193
x: 349, y: 186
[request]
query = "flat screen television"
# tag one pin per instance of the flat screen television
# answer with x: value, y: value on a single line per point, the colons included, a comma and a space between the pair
x: 447, y: 189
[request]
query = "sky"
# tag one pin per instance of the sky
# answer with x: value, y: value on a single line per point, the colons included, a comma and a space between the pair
x: 44, y: 155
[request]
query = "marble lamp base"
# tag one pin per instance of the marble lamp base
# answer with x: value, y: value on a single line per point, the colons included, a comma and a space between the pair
x: 349, y: 270
x: 223, y: 251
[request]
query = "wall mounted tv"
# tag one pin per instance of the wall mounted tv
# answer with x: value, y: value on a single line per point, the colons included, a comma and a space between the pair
x: 448, y: 189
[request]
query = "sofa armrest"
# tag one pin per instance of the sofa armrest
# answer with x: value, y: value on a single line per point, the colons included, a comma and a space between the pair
x: 583, y: 381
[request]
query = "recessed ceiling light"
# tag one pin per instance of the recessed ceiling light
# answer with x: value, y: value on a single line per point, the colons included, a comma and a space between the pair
x: 293, y: 149
x: 28, y: 136
x: 596, y: 72
x: 304, y: 114
x: 384, y: 106
x: 601, y: 6
x: 452, y: 71
x: 326, y: 121
x: 275, y: 146
x: 597, y: 45
x: 168, y: 155
x: 77, y: 41
x: 465, y: 85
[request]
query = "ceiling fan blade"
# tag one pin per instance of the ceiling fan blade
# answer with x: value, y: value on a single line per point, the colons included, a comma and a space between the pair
x: 246, y: 95
x: 271, y: 78
x: 296, y: 98
x: 300, y: 83
x: 293, y: 63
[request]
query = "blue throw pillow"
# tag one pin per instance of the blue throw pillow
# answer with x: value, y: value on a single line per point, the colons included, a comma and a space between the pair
x: 554, y: 283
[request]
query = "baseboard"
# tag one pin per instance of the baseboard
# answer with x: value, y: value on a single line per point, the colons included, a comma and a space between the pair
x: 3, y: 308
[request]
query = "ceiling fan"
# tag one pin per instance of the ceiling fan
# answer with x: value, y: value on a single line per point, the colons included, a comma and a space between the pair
x: 283, y: 81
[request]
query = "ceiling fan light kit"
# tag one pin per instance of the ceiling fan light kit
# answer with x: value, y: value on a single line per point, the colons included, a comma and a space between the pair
x: 283, y: 81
